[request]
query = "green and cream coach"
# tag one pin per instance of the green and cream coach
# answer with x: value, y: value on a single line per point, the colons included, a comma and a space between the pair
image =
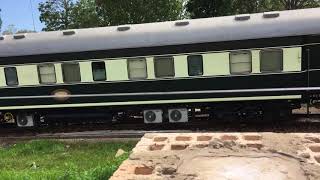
x: 248, y: 66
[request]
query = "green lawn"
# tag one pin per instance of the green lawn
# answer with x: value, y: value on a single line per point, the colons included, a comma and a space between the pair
x: 48, y: 159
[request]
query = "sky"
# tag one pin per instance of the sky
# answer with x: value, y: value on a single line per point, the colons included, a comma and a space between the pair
x: 19, y: 13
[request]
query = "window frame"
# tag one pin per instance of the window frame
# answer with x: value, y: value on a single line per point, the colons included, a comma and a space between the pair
x: 63, y: 72
x: 202, y: 68
x: 5, y: 74
x: 240, y: 52
x: 162, y: 57
x: 271, y: 49
x: 105, y: 71
x: 146, y: 68
x: 39, y: 75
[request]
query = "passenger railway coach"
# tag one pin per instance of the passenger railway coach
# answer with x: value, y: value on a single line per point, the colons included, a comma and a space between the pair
x: 245, y: 66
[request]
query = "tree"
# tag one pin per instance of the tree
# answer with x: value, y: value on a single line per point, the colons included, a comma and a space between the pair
x: 85, y: 15
x: 0, y: 22
x: 11, y: 29
x: 273, y: 5
x: 299, y: 4
x: 208, y: 8
x: 57, y: 14
x: 212, y: 8
x: 64, y: 14
x: 116, y: 12
x: 23, y: 31
x: 246, y: 6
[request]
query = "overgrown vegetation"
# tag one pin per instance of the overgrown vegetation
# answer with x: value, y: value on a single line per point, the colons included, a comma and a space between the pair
x: 47, y: 159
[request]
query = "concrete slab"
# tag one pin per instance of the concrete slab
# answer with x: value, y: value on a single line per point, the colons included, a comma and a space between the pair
x: 258, y: 167
x: 224, y: 156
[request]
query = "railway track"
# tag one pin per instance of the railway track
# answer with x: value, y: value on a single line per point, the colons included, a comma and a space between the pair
x: 299, y: 123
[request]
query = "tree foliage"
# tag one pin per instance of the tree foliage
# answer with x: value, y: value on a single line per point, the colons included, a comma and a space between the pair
x: 249, y: 6
x: 115, y: 12
x: 22, y: 31
x: 69, y: 14
x: 208, y: 8
x: 212, y: 8
x: 11, y: 29
x: 298, y: 4
x: 64, y: 14
x: 85, y: 14
x: 56, y: 14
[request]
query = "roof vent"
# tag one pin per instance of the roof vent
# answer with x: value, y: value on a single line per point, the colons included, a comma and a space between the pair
x: 123, y: 28
x: 273, y: 14
x: 242, y: 17
x: 1, y: 38
x: 69, y: 33
x: 182, y: 23
x: 19, y: 36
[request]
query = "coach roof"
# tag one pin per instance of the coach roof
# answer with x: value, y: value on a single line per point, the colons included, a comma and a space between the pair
x: 229, y: 28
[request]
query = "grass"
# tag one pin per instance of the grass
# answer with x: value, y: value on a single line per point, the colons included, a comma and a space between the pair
x: 49, y: 159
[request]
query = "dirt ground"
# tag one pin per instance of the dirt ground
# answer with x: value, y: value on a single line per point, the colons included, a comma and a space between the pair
x: 304, y: 110
x: 224, y: 156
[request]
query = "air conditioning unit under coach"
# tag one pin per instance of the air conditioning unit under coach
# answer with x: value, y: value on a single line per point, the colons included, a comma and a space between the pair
x: 25, y: 120
x: 152, y: 116
x: 178, y: 115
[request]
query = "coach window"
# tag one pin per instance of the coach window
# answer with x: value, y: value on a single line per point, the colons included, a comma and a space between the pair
x: 137, y: 68
x: 240, y: 62
x: 195, y: 65
x: 271, y: 60
x: 71, y: 72
x: 99, y: 71
x: 47, y: 74
x: 11, y: 76
x: 164, y: 66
